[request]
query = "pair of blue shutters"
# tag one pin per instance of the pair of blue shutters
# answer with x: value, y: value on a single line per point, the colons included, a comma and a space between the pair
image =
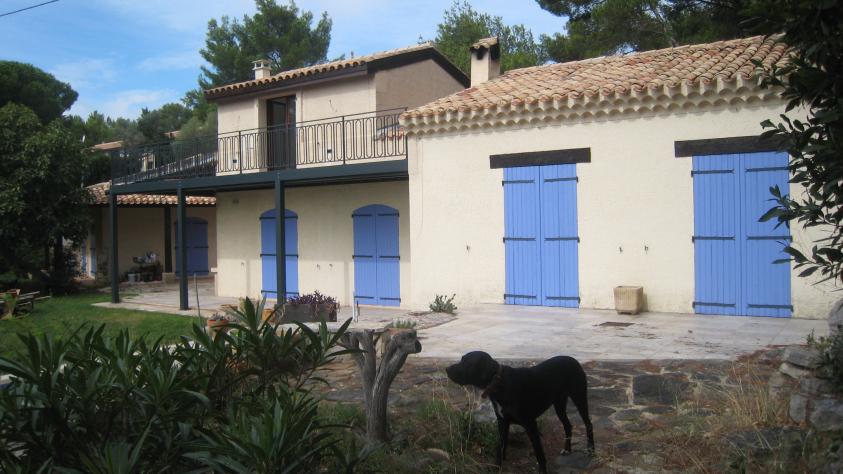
x: 269, y: 280
x: 540, y: 235
x: 733, y: 251
x: 376, y: 256
x: 196, y: 237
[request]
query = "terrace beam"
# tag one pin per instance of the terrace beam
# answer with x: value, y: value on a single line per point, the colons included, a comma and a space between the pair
x: 181, y: 241
x: 280, y: 242
x: 334, y: 174
x: 114, y: 271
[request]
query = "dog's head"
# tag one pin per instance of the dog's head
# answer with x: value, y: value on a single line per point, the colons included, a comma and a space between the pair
x: 475, y: 368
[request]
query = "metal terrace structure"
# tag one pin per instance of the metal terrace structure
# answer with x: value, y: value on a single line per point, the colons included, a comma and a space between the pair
x: 363, y: 147
x: 318, y: 139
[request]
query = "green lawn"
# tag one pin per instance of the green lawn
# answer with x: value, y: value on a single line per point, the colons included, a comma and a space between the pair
x: 61, y: 315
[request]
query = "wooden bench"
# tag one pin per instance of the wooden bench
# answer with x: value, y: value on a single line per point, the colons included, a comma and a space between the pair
x: 27, y: 299
x: 23, y: 300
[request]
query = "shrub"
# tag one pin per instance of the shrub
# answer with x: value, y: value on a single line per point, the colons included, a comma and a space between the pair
x: 313, y: 298
x: 402, y: 324
x: 831, y: 356
x: 443, y: 304
x: 239, y: 401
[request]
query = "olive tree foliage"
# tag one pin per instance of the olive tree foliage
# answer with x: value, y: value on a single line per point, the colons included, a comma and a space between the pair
x: 42, y: 167
x: 462, y: 26
x: 812, y: 83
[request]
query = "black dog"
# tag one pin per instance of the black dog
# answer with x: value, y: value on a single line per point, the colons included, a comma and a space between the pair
x: 521, y: 395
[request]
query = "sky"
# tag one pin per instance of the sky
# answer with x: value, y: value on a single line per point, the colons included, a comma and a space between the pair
x: 124, y: 55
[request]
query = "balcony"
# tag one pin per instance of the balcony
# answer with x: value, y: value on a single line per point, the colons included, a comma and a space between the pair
x: 360, y: 138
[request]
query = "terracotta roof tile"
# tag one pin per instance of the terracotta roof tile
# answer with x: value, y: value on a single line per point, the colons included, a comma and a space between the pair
x: 703, y: 63
x: 99, y: 193
x: 316, y: 69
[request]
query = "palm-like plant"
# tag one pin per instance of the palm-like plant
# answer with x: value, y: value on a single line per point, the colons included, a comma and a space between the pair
x: 237, y: 402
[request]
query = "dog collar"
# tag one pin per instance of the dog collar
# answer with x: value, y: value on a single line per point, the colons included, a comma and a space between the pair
x: 493, y: 384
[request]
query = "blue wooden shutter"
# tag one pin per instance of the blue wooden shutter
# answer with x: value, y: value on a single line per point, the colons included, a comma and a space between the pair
x: 717, y: 235
x: 269, y: 277
x: 559, y: 237
x: 388, y: 256
x: 94, y: 253
x: 365, y: 251
x: 196, y: 237
x: 765, y: 285
x: 197, y: 246
x: 84, y: 253
x: 522, y: 219
x: 376, y: 256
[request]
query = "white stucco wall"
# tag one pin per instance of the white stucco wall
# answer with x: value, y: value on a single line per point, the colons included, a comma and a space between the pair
x: 141, y: 230
x: 323, y: 100
x: 634, y: 194
x: 413, y: 85
x: 325, y: 236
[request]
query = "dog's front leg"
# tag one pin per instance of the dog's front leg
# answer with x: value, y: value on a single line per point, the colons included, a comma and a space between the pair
x: 503, y: 438
x: 535, y: 439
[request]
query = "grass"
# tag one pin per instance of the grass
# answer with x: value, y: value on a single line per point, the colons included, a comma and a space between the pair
x: 61, y: 315
x: 436, y: 424
x: 696, y: 439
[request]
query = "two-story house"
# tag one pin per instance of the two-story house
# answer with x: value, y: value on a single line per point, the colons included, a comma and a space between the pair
x: 546, y: 186
x: 320, y: 146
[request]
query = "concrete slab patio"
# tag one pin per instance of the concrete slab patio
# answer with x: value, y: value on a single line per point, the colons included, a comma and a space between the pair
x: 525, y: 332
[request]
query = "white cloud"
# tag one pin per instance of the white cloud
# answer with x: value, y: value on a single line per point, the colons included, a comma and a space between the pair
x: 185, y: 60
x: 180, y: 15
x: 126, y: 103
x: 85, y: 72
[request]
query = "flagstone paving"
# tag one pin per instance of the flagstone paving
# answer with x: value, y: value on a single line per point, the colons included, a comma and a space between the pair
x: 629, y: 401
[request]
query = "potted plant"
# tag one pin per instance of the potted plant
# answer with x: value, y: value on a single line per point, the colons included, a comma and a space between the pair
x: 308, y: 308
x: 216, y: 323
x: 10, y: 300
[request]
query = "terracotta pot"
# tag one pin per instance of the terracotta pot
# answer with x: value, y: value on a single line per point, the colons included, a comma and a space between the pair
x: 216, y: 325
x: 267, y: 314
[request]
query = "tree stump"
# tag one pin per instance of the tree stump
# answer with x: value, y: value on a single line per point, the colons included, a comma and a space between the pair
x: 377, y: 375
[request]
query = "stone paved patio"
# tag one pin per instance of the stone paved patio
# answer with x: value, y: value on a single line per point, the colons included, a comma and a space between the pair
x: 535, y: 333
x: 633, y: 406
x: 526, y: 332
x: 164, y: 298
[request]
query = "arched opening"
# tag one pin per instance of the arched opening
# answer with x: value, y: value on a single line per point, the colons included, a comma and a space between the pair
x: 269, y: 278
x: 376, y: 256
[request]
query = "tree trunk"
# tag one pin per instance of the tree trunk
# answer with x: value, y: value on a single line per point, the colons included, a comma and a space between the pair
x: 377, y: 378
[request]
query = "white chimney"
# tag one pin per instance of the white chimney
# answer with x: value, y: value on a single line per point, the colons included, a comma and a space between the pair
x: 485, y: 60
x: 261, y: 68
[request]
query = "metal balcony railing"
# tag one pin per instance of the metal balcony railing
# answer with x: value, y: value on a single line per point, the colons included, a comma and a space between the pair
x: 371, y: 136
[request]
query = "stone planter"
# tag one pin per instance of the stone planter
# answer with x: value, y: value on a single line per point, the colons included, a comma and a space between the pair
x: 629, y: 299
x: 308, y: 313
x: 386, y: 335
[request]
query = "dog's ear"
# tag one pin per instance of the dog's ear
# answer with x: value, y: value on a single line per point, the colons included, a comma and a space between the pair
x: 488, y: 369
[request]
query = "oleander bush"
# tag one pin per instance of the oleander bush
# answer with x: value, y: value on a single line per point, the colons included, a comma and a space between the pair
x: 238, y: 402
